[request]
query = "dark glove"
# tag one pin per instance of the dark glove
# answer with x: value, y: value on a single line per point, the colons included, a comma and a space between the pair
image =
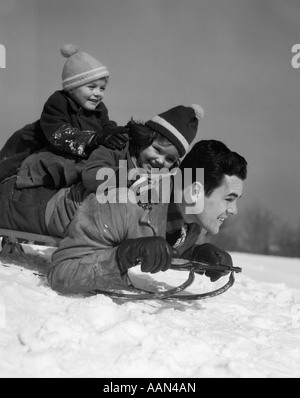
x: 210, y: 254
x: 112, y: 138
x: 154, y: 254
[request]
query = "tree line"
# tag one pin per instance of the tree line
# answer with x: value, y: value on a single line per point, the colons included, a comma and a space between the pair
x: 258, y: 231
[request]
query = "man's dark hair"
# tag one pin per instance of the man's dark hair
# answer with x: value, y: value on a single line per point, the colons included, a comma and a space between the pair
x: 217, y: 160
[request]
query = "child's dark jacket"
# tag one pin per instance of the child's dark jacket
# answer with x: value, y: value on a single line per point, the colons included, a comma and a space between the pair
x: 70, y: 128
x: 64, y: 128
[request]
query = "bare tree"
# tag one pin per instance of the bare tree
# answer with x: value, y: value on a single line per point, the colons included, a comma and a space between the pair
x: 259, y: 231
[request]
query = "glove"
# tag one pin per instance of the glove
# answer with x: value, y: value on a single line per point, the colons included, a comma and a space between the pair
x: 210, y: 254
x: 112, y: 138
x: 154, y: 254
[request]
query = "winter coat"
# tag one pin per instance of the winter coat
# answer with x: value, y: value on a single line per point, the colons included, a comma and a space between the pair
x: 21, y: 144
x: 27, y: 140
x: 64, y: 126
x: 62, y: 207
x: 105, y: 158
x: 87, y: 257
x: 70, y: 128
x: 49, y: 170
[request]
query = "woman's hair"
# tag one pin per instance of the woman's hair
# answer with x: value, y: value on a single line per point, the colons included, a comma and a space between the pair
x: 217, y: 161
x: 141, y: 137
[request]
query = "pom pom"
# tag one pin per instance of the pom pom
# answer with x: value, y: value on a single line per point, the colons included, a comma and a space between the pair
x: 68, y: 49
x: 199, y: 111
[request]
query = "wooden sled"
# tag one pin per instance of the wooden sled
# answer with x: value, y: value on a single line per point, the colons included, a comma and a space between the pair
x: 12, y: 240
x: 11, y: 244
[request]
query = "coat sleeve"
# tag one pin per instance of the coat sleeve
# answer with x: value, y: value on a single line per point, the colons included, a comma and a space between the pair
x: 87, y: 257
x: 58, y: 130
x: 101, y: 158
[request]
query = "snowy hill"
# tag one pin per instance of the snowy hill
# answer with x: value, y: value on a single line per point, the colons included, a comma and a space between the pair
x: 252, y: 330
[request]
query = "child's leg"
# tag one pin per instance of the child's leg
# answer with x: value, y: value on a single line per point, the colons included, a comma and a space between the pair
x: 10, y: 166
x: 24, y: 210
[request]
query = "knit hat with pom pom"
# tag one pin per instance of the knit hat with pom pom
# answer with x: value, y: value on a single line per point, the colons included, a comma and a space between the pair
x: 179, y: 125
x: 80, y: 68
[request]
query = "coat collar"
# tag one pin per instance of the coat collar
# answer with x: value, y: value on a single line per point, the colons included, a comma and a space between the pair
x: 75, y: 107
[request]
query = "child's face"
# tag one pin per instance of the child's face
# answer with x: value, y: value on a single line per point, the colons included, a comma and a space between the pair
x: 90, y: 95
x: 158, y: 156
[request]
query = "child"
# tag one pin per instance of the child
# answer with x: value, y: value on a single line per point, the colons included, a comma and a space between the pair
x: 74, y: 120
x: 159, y: 143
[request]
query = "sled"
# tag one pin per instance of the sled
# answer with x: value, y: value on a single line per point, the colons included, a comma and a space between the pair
x: 12, y: 242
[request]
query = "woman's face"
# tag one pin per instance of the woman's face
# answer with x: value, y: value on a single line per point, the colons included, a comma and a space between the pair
x: 158, y: 156
x: 219, y: 205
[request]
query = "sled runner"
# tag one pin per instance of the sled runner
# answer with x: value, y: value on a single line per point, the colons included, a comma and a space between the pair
x: 12, y: 242
x: 185, y: 265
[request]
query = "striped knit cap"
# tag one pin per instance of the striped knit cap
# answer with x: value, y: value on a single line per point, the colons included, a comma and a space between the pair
x: 179, y: 125
x: 80, y: 68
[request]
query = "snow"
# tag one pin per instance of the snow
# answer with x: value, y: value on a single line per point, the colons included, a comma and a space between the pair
x: 250, y: 331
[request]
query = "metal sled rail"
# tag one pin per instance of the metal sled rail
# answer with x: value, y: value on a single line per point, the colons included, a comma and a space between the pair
x: 191, y: 266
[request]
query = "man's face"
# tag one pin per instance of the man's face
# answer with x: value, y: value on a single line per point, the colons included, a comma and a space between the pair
x: 220, y: 204
x: 90, y: 95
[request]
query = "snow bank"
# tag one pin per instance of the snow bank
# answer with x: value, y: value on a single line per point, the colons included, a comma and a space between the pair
x: 252, y: 330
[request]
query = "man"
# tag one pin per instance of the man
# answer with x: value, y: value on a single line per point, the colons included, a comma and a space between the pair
x: 104, y: 241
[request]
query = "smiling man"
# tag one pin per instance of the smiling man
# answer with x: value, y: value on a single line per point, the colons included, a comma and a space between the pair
x: 219, y: 204
x: 224, y: 175
x: 103, y: 241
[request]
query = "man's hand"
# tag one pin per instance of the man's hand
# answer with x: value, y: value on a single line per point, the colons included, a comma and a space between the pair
x: 212, y: 255
x: 154, y: 254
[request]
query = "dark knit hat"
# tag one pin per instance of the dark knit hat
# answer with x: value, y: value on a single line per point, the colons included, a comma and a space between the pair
x: 179, y: 125
x: 80, y: 68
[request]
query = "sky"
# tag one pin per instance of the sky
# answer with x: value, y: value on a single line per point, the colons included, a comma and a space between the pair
x: 233, y: 57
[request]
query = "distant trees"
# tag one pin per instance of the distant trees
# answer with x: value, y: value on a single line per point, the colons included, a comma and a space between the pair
x: 259, y: 231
